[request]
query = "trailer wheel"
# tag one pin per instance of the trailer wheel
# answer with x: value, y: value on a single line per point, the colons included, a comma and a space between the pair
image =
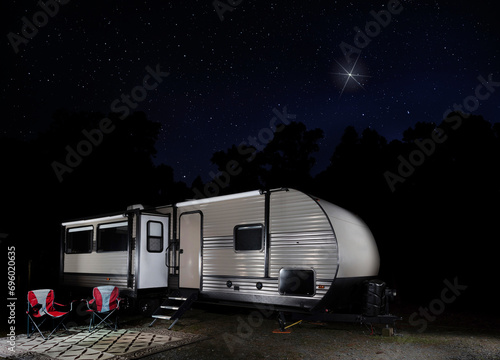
x: 374, y: 298
x: 148, y: 306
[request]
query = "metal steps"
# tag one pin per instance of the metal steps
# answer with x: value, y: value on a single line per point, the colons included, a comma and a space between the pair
x: 178, y: 309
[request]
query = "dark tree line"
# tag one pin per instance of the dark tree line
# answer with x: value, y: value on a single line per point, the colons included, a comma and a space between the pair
x: 430, y: 198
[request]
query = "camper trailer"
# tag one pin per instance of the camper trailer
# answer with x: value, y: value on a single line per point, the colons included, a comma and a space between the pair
x: 279, y: 247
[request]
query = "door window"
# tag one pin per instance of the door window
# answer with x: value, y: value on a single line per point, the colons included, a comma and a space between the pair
x: 155, y: 236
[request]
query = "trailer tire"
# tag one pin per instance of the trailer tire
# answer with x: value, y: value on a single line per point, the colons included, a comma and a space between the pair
x: 374, y: 298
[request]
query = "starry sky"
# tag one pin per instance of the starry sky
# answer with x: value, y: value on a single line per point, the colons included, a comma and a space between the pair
x: 233, y: 64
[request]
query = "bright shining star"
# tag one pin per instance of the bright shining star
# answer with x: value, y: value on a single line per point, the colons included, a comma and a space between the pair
x: 350, y: 75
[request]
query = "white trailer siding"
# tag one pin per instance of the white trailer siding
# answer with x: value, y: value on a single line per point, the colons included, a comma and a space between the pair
x: 96, y: 268
x: 358, y: 253
x: 97, y: 263
x: 92, y: 280
x: 301, y: 236
x: 220, y: 216
x: 214, y: 247
x: 114, y: 262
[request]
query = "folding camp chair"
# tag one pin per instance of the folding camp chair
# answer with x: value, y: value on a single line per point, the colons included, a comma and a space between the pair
x: 41, y: 307
x: 103, y: 305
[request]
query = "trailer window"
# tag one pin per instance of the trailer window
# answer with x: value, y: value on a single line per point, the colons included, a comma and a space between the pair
x: 155, y: 236
x: 79, y: 240
x: 248, y: 237
x: 112, y: 237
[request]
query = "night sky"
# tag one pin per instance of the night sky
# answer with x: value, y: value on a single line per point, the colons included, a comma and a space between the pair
x: 232, y: 69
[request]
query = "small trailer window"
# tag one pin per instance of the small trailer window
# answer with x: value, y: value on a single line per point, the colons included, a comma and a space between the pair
x: 248, y: 237
x: 155, y: 236
x: 79, y: 240
x: 112, y: 237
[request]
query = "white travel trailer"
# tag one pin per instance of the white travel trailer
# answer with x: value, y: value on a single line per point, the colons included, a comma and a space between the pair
x: 280, y: 247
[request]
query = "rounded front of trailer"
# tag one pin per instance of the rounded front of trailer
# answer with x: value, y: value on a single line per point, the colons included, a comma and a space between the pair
x: 358, y: 256
x: 303, y: 251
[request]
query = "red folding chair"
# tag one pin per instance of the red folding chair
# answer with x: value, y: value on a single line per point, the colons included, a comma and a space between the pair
x: 103, y: 305
x: 41, y: 306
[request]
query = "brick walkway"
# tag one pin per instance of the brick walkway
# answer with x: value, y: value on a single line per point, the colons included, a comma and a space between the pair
x: 102, y: 344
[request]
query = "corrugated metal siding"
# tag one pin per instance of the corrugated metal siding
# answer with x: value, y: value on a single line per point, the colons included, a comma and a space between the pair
x: 90, y: 281
x: 246, y: 285
x: 294, y: 211
x: 219, y: 220
x: 105, y: 263
x: 114, y: 262
x: 301, y: 236
x: 219, y: 258
x: 304, y: 250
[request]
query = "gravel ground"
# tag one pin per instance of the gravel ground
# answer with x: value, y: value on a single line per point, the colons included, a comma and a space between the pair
x: 245, y: 334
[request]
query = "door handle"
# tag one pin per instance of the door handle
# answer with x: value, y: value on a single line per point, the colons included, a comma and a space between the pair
x: 181, y: 251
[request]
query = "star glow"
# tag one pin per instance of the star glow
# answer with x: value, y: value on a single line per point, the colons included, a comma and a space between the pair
x: 349, y: 74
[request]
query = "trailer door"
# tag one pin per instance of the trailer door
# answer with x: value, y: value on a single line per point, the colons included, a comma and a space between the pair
x: 152, y: 245
x: 190, y: 250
